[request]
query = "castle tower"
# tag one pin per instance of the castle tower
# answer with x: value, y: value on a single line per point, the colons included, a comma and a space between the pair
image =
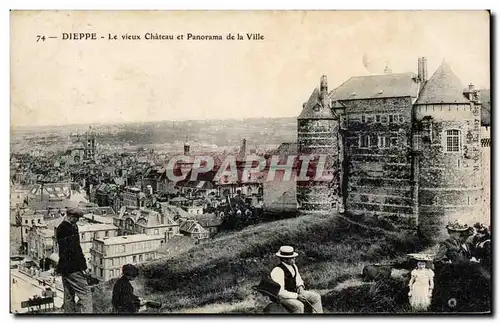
x: 317, y: 128
x: 447, y: 123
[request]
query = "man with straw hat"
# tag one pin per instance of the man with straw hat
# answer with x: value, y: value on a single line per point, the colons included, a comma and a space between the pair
x: 455, y: 249
x: 292, y: 293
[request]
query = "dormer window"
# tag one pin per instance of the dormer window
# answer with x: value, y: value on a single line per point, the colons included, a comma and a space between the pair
x: 316, y: 108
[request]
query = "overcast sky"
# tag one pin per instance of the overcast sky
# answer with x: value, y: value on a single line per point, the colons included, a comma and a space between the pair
x: 63, y: 82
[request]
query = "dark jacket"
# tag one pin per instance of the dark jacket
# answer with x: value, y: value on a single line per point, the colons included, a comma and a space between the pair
x: 124, y: 300
x: 452, y: 250
x: 71, y: 258
x: 290, y: 280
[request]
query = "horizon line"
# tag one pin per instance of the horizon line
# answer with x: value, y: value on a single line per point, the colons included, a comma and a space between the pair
x: 145, y: 121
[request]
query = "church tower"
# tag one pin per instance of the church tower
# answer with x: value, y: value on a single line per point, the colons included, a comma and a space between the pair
x: 90, y: 145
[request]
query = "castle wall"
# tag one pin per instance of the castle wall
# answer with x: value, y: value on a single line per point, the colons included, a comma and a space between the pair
x: 450, y: 183
x: 377, y: 150
x: 319, y: 137
x: 486, y: 174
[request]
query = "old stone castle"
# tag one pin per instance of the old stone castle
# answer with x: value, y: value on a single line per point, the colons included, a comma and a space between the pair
x: 408, y: 148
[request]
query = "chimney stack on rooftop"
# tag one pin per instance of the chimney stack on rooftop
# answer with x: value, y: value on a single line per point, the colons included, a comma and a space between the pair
x: 324, y: 90
x: 422, y: 69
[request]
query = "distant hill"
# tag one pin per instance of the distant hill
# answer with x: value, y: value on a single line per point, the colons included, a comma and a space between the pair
x: 219, y: 132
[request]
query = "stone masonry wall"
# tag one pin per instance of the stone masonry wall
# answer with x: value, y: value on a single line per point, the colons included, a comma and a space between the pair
x: 450, y: 183
x: 318, y: 137
x: 377, y: 153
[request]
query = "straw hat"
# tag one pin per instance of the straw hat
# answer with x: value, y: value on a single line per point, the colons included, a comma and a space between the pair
x: 286, y: 252
x: 457, y: 227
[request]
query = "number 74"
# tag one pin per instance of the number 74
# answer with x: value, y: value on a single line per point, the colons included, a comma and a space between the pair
x: 38, y: 38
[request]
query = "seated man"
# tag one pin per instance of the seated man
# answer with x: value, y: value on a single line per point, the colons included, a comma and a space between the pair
x: 292, y: 293
x: 270, y: 288
x: 124, y: 300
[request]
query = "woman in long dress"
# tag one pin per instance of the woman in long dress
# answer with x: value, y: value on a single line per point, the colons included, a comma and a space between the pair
x: 421, y: 286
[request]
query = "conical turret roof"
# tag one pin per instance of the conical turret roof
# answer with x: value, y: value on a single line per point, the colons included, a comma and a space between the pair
x: 443, y: 87
x: 314, y: 109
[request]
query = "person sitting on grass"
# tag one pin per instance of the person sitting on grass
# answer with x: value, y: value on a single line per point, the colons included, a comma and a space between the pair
x: 271, y: 289
x: 124, y: 300
x: 293, y: 294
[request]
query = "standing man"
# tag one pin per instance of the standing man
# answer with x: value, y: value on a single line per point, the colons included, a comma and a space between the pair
x: 72, y: 264
x: 292, y: 293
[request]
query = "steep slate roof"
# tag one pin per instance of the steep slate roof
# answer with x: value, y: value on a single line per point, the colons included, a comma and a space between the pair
x: 443, y: 87
x: 146, y: 218
x: 377, y: 86
x: 288, y: 148
x: 191, y: 226
x: 173, y: 211
x: 308, y: 111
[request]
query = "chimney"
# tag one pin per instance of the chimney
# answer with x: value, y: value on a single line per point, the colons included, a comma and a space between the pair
x: 471, y: 87
x: 424, y: 69
x: 324, y: 90
x: 186, y: 149
x: 419, y: 69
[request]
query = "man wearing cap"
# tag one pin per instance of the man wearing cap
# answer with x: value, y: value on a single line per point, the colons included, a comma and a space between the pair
x: 72, y: 264
x: 292, y: 292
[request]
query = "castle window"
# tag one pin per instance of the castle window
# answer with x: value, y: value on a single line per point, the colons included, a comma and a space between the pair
x: 377, y: 118
x: 343, y: 122
x: 383, y: 119
x: 391, y: 118
x: 452, y: 140
x: 364, y: 141
x: 383, y: 142
x: 401, y: 119
x: 363, y: 118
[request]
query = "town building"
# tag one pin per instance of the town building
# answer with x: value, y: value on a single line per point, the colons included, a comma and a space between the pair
x: 133, y: 197
x: 40, y: 244
x: 28, y: 219
x: 108, y: 255
x: 402, y: 146
x: 193, y: 229
x: 98, y: 219
x: 145, y: 221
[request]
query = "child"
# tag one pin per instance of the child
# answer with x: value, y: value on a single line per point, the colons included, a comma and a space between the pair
x: 421, y: 286
x: 124, y: 300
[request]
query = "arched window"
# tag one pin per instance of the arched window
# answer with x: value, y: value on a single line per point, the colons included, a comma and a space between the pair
x: 453, y: 140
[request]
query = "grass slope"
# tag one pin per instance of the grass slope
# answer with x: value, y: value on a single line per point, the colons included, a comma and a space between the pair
x: 332, y: 249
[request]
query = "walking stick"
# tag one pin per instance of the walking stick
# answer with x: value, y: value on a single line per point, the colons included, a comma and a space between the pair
x: 311, y: 306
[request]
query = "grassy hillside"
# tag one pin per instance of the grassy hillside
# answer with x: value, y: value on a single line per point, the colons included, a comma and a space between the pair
x: 219, y: 273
